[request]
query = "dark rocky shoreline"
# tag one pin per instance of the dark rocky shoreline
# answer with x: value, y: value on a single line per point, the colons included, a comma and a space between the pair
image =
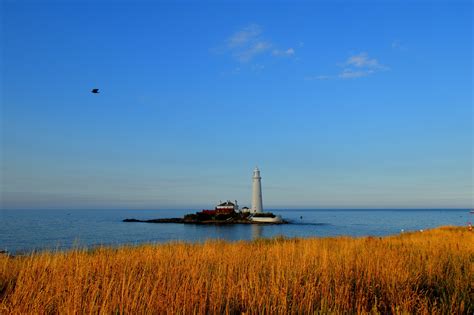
x: 197, y: 221
x: 215, y: 218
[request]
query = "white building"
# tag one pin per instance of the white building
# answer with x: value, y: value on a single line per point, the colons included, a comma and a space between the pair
x: 257, y: 203
x: 228, y: 205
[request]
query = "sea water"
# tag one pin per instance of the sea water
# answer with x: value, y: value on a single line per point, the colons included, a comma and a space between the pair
x: 23, y: 231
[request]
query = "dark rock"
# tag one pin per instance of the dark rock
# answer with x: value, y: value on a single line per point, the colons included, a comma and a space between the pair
x: 218, y: 219
x: 131, y: 220
x: 171, y: 220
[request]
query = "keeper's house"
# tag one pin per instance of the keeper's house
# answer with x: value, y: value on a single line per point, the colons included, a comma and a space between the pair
x: 227, y: 207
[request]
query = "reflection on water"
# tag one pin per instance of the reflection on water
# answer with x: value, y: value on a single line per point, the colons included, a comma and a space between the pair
x: 257, y: 231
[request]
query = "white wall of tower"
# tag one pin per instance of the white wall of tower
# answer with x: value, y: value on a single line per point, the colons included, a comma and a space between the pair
x: 257, y: 203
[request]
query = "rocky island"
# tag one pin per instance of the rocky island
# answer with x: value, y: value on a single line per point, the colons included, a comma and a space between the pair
x: 228, y: 212
x: 205, y: 217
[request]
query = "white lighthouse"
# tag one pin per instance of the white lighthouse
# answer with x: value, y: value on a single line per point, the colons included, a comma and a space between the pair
x: 257, y: 206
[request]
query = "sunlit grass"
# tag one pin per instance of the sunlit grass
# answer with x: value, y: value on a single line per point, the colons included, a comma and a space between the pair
x: 429, y: 272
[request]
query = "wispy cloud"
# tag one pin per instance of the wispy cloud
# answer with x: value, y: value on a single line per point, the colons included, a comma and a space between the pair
x: 283, y: 53
x: 355, y: 66
x: 244, y: 36
x: 352, y: 74
x: 363, y: 61
x: 249, y: 42
x: 251, y: 51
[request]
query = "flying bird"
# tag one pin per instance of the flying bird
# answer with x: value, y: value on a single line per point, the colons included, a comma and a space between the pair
x: 95, y: 91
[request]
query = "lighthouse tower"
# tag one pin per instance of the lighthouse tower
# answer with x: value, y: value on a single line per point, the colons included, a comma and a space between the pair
x: 257, y: 206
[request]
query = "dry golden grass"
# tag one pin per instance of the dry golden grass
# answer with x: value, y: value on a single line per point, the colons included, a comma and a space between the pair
x: 429, y: 272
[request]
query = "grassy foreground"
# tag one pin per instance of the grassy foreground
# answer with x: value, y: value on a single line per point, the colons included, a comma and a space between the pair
x: 429, y: 272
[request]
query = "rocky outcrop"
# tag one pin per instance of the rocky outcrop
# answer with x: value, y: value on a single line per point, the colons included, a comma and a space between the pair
x: 200, y: 219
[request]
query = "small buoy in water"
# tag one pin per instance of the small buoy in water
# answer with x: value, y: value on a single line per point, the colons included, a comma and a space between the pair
x: 301, y: 217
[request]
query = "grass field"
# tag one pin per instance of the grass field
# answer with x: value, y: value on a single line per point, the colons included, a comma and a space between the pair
x: 422, y: 272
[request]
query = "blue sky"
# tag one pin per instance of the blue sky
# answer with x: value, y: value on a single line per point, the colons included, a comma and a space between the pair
x: 340, y: 104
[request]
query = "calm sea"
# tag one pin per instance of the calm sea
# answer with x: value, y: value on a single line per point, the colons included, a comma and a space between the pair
x: 27, y: 230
